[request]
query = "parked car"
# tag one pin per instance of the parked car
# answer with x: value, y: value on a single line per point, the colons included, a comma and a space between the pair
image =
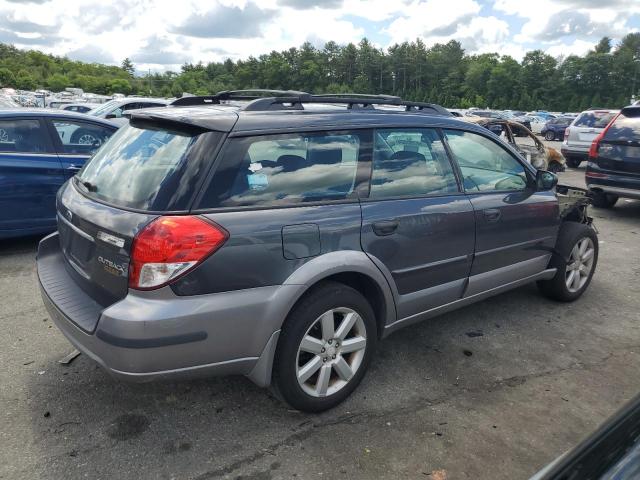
x: 613, y: 170
x: 80, y: 107
x: 487, y: 114
x: 39, y: 150
x: 612, y: 452
x: 282, y: 242
x: 579, y: 136
x: 537, y: 123
x: 554, y: 129
x: 8, y: 102
x: 521, y: 119
x: 529, y: 146
x: 116, y: 109
x: 543, y: 114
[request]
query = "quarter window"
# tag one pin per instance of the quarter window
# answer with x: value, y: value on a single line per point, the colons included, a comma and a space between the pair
x: 79, y: 137
x: 410, y: 162
x: 485, y: 165
x: 287, y: 169
x: 22, y: 136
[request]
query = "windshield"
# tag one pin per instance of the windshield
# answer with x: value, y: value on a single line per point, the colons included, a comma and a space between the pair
x: 104, y: 108
x: 143, y: 168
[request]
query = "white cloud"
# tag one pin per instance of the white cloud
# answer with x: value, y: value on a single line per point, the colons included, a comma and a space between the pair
x: 162, y: 34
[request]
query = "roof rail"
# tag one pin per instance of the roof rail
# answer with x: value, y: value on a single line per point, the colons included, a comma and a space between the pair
x: 249, y: 94
x: 353, y: 101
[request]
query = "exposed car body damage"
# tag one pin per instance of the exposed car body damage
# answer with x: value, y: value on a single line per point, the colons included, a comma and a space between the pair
x: 536, y: 152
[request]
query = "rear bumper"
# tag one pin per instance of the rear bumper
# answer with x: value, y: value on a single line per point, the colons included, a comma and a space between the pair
x: 575, y: 152
x: 615, y: 190
x: 154, y: 335
x: 626, y: 186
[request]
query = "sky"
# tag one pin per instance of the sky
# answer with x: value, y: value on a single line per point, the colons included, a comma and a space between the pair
x: 161, y: 35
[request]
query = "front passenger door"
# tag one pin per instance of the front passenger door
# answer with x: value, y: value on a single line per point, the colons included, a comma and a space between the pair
x: 516, y: 226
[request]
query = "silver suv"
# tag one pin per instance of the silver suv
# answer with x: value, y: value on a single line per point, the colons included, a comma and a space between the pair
x: 582, y: 132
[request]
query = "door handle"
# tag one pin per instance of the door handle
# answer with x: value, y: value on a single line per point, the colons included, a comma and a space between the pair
x: 74, y: 168
x: 385, y: 227
x: 492, y: 214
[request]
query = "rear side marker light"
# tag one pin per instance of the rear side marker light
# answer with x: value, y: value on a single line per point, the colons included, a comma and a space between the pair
x: 171, y: 246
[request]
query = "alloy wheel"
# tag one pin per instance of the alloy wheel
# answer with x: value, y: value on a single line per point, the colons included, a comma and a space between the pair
x: 580, y: 264
x: 331, y: 352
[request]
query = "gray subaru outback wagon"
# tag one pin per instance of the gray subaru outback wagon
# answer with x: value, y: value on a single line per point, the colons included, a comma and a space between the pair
x: 281, y: 235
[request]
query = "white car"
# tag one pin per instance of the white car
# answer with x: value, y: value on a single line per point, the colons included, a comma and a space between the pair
x: 115, y: 109
x: 537, y: 123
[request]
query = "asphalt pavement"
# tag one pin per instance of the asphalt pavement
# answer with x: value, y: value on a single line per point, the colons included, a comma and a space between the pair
x: 493, y: 391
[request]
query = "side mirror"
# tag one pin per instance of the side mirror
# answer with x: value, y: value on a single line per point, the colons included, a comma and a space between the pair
x: 545, y: 180
x: 110, y: 115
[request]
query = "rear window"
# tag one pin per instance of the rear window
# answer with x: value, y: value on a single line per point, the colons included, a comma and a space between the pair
x: 152, y: 169
x: 288, y: 169
x: 595, y: 119
x: 626, y: 127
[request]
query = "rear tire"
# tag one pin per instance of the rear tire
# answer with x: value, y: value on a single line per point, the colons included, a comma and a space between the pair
x: 575, y: 260
x: 325, y: 348
x: 603, y: 200
x: 550, y: 136
x: 573, y: 162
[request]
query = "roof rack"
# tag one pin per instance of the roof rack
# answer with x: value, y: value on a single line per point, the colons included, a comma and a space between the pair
x: 261, y: 100
x: 250, y: 94
x: 355, y: 101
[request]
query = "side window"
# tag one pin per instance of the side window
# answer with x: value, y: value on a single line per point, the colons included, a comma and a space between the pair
x: 22, y: 136
x: 150, y: 105
x: 410, y: 162
x: 80, y: 138
x: 131, y: 106
x: 116, y: 112
x: 484, y: 164
x: 287, y: 169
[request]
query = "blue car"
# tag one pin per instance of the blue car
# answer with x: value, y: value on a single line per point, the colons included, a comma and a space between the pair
x: 39, y: 150
x: 555, y: 128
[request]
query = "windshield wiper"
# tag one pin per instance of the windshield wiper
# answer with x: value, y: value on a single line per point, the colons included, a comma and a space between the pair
x: 89, y: 186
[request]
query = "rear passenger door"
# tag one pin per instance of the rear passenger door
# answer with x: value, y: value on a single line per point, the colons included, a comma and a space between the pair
x: 516, y: 226
x: 30, y: 175
x: 417, y: 225
x: 76, y: 140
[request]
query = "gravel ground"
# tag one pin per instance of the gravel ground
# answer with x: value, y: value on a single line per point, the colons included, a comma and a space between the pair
x: 494, y: 391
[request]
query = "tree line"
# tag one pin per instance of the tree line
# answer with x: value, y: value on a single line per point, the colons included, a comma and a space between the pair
x: 607, y: 76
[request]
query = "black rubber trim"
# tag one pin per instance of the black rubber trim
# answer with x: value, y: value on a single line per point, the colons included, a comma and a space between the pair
x: 150, y: 342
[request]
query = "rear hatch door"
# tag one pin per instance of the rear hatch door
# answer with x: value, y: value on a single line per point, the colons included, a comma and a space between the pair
x: 619, y: 150
x: 142, y: 172
x: 588, y: 126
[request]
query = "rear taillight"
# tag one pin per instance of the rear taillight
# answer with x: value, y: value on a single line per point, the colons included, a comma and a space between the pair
x: 169, y: 247
x: 595, y: 145
x: 566, y: 135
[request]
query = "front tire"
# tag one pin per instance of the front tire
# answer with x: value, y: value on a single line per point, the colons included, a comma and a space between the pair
x: 325, y: 348
x: 603, y: 200
x: 575, y: 262
x: 550, y: 136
